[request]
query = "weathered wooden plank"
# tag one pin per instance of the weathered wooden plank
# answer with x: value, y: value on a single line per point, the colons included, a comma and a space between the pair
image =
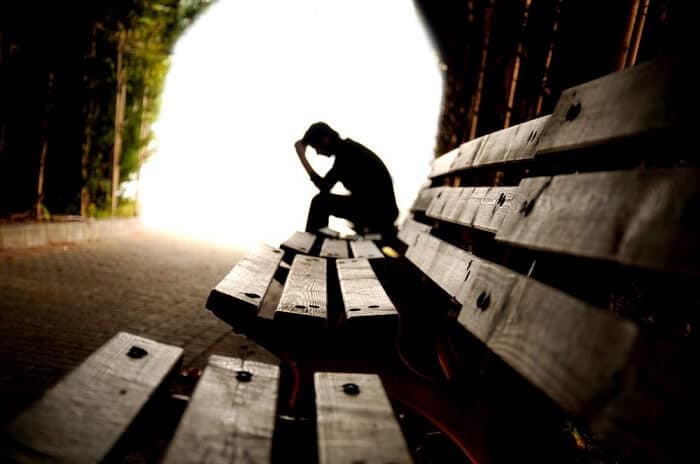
x: 443, y: 263
x: 334, y: 248
x: 328, y: 232
x: 305, y: 295
x: 244, y: 288
x: 365, y: 249
x: 409, y: 230
x: 470, y: 206
x: 449, y: 203
x: 363, y: 294
x: 493, y: 208
x: 639, y: 217
x: 424, y: 198
x: 467, y: 154
x: 231, y: 415
x: 442, y: 164
x: 516, y: 143
x: 618, y: 105
x: 568, y: 349
x: 81, y: 418
x: 299, y: 242
x: 355, y: 421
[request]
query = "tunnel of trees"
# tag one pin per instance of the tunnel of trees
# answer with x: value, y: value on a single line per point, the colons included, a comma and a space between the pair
x: 80, y: 81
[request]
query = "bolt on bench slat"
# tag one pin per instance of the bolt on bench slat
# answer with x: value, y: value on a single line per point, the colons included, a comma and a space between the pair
x: 241, y: 292
x: 355, y: 421
x: 365, y: 249
x: 82, y: 417
x: 231, y: 415
x: 334, y: 248
x: 304, y: 297
x: 364, y: 297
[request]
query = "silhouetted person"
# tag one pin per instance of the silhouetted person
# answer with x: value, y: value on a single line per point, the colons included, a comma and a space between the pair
x: 371, y: 207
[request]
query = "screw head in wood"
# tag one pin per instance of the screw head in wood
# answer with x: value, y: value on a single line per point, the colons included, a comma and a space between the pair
x: 351, y: 389
x: 483, y: 301
x: 136, y: 352
x: 244, y: 376
x: 574, y: 111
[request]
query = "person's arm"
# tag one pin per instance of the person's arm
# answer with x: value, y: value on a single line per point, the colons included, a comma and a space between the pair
x: 323, y: 184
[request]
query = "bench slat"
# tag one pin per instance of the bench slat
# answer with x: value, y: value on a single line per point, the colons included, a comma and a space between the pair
x: 444, y: 264
x: 359, y: 427
x: 305, y: 295
x: 299, y: 242
x: 516, y: 143
x: 363, y: 294
x: 365, y: 249
x: 230, y: 417
x: 494, y: 208
x: 410, y: 229
x: 567, y: 348
x: 633, y: 217
x: 82, y: 417
x: 334, y: 248
x: 424, y: 198
x: 617, y: 105
x: 244, y: 288
x: 448, y: 204
x: 467, y: 154
x: 442, y: 164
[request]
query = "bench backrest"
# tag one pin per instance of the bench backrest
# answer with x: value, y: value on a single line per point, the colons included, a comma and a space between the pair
x: 558, y: 237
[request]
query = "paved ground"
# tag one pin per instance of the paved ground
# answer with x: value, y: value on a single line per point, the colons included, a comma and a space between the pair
x: 59, y: 303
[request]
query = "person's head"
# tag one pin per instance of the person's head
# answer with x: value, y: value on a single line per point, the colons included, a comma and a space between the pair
x: 321, y: 137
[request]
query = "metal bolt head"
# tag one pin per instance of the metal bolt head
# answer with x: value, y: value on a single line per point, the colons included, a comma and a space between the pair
x: 351, y: 389
x: 244, y: 376
x: 136, y: 352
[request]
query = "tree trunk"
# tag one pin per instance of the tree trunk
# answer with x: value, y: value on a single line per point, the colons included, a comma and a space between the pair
x: 118, y: 117
x: 90, y: 116
x: 143, y: 130
x: 44, y: 151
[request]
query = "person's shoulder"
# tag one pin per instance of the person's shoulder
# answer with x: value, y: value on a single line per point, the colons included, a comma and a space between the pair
x: 351, y: 145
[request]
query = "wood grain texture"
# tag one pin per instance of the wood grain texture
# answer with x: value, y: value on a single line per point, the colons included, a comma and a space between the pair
x: 567, y: 348
x: 442, y: 164
x: 362, y: 293
x: 424, y: 198
x: 444, y: 264
x: 494, y: 207
x: 300, y: 242
x: 470, y: 206
x: 305, y: 294
x: 334, y: 248
x: 244, y: 288
x: 409, y: 230
x: 81, y: 418
x: 467, y: 154
x: 228, y: 420
x: 356, y: 428
x: 365, y: 249
x: 645, y: 217
x: 614, y: 106
x: 516, y: 143
x: 449, y: 203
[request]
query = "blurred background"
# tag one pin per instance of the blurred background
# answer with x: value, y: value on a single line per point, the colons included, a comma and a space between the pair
x: 185, y: 111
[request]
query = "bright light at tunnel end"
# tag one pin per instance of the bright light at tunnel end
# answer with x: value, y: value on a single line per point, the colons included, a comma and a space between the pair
x: 245, y: 84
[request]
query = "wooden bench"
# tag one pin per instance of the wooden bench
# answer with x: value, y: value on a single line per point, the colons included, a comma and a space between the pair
x: 547, y: 313
x: 557, y: 255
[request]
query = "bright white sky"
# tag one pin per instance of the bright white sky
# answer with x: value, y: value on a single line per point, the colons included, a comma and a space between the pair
x: 246, y: 81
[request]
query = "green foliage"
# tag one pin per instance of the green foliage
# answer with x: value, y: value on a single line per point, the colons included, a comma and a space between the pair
x: 153, y: 27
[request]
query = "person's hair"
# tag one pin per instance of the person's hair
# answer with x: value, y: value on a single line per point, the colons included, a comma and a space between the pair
x: 317, y: 131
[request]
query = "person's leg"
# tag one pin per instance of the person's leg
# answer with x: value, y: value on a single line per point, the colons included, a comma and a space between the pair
x: 326, y: 204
